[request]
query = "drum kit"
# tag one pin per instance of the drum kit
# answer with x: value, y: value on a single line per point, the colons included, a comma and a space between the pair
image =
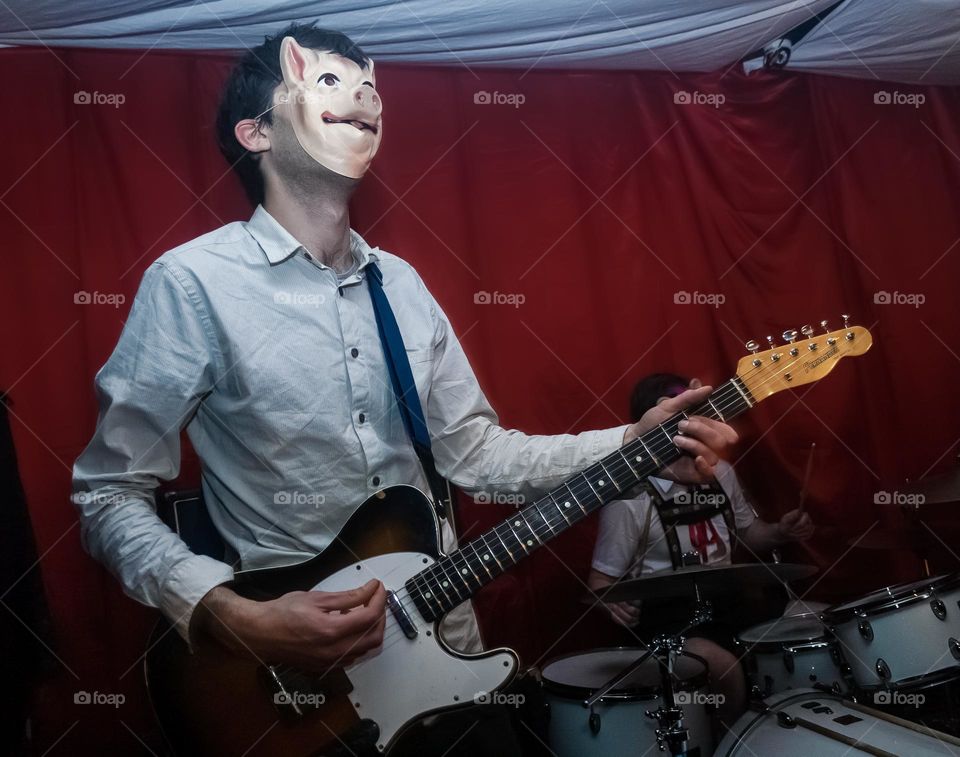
x: 809, y: 673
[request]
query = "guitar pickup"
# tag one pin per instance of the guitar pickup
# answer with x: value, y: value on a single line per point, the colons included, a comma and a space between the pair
x: 401, y: 615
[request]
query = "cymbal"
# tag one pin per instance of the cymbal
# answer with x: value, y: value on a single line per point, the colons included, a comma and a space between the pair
x: 710, y: 580
x: 944, y: 487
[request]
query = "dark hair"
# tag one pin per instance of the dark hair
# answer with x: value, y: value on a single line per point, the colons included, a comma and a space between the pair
x: 651, y: 388
x: 248, y: 92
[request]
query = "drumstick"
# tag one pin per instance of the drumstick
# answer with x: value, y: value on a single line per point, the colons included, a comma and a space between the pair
x: 806, y: 478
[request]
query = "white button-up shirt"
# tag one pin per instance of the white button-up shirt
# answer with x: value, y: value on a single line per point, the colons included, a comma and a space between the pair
x: 275, y: 368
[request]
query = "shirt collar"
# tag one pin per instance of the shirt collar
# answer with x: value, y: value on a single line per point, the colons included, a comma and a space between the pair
x: 278, y: 244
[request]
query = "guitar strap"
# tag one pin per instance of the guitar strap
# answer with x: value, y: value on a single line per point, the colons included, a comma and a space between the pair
x: 405, y: 390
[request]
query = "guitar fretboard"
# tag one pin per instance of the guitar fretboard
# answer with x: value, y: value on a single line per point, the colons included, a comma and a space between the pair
x: 455, y: 578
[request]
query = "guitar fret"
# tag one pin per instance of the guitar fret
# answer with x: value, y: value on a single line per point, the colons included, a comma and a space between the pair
x: 519, y: 540
x: 497, y: 532
x: 719, y: 414
x: 652, y: 456
x: 468, y: 567
x: 575, y: 499
x: 629, y: 465
x: 560, y: 510
x: 483, y: 564
x: 544, y: 518
x: 665, y: 433
x: 612, y: 478
x: 530, y: 528
x: 493, y: 554
x: 746, y: 399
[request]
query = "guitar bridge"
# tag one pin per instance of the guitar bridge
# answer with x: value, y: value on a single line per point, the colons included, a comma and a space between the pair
x: 401, y: 615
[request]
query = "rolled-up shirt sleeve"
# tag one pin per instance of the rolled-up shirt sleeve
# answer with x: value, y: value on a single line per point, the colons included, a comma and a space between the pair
x: 164, y: 364
x: 474, y: 452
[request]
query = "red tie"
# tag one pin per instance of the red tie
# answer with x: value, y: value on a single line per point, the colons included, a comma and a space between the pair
x: 701, y: 540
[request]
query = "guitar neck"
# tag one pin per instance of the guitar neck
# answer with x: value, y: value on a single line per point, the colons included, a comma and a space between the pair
x: 456, y: 577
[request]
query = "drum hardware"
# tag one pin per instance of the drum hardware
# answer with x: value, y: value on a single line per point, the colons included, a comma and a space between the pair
x: 940, y: 489
x: 671, y: 733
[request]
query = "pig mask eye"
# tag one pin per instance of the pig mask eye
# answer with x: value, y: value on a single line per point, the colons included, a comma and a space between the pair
x: 329, y: 80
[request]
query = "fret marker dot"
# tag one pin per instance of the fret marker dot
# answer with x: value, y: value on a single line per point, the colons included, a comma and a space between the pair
x: 464, y: 571
x: 428, y: 595
x: 639, y: 458
x: 601, y: 482
x: 516, y: 523
x: 486, y: 557
x: 529, y: 542
x: 566, y: 504
x: 445, y: 584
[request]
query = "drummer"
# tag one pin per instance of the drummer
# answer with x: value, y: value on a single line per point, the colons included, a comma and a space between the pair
x: 668, y: 525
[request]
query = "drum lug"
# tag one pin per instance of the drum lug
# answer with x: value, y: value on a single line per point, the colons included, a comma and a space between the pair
x: 865, y: 629
x: 883, y: 670
x: 939, y: 608
x: 788, y: 661
x: 784, y: 720
x: 954, y: 648
x: 594, y: 722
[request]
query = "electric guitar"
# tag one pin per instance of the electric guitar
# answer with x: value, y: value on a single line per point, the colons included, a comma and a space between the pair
x: 214, y: 702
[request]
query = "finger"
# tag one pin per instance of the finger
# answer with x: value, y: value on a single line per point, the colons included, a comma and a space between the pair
x: 359, y: 619
x: 704, y: 468
x: 686, y: 399
x: 696, y: 448
x: 708, y: 430
x: 346, y: 600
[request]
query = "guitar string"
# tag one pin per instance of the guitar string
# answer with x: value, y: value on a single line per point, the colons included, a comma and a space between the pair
x: 732, y: 397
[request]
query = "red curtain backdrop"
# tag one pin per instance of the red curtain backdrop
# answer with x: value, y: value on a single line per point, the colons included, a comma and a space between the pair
x: 603, y: 201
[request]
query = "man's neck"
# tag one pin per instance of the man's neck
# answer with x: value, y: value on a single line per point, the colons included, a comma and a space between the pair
x: 319, y: 220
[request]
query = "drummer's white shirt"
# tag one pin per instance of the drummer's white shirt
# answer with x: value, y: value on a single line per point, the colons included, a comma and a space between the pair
x: 622, y: 523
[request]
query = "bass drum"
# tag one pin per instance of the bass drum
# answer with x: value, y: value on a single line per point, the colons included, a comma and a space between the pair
x: 620, y: 724
x: 801, y: 723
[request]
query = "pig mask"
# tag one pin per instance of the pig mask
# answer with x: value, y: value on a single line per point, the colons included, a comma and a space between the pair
x: 333, y: 107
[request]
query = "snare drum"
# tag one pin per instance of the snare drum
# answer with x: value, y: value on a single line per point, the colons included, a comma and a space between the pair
x: 901, y: 636
x: 621, y: 725
x: 801, y: 722
x: 792, y: 652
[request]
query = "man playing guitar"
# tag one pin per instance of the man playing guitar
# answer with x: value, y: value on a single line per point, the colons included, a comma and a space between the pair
x: 259, y: 339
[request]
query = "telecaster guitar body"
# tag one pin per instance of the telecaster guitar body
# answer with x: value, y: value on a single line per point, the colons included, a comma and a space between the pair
x: 213, y: 702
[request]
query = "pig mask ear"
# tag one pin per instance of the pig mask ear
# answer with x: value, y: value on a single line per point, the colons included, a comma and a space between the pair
x: 295, y: 61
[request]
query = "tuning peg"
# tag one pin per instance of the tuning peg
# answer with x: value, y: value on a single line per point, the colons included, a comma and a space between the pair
x: 752, y: 346
x: 846, y: 321
x: 771, y: 342
x: 789, y: 335
x: 807, y: 330
x: 825, y: 327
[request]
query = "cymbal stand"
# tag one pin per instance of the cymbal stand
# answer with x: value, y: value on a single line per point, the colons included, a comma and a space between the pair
x: 671, y: 733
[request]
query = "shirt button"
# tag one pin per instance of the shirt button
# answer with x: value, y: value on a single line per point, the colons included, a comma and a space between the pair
x: 362, y: 417
x: 354, y: 352
x: 376, y: 480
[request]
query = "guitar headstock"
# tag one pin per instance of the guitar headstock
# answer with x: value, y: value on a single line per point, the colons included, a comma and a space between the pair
x: 799, y: 362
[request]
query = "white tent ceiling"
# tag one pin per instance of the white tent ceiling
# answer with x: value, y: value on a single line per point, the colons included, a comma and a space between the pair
x: 897, y: 40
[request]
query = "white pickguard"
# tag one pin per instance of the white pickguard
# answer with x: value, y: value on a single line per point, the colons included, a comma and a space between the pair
x: 408, y: 678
